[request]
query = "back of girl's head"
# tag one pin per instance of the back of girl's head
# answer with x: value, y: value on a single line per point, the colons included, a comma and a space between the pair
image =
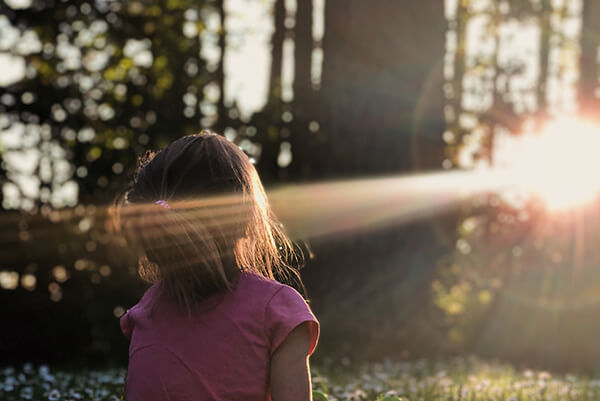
x: 215, y: 222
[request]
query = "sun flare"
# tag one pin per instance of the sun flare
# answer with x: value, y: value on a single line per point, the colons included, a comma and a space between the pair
x: 560, y: 164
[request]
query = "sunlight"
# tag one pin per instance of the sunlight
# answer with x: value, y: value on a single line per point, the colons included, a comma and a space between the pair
x: 334, y: 207
x: 560, y: 164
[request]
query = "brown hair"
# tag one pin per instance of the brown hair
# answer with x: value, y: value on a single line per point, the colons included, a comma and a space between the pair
x: 216, y: 222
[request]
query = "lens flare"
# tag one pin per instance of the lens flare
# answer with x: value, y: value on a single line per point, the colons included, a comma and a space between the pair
x: 559, y: 164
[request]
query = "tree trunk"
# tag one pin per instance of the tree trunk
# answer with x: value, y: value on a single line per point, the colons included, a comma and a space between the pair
x: 277, y: 50
x: 546, y: 34
x: 382, y: 83
x: 223, y: 118
x: 268, y: 120
x: 303, y: 93
x: 590, y: 41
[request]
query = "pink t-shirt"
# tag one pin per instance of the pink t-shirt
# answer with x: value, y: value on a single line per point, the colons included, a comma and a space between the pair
x: 222, y: 352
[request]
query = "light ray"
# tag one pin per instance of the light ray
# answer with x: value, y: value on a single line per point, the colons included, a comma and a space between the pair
x: 314, y: 210
x: 329, y: 208
x: 311, y: 210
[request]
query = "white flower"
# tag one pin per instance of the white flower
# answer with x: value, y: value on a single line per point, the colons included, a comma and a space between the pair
x: 28, y: 368
x: 9, y: 371
x: 26, y: 393
x: 44, y: 370
x: 54, y: 395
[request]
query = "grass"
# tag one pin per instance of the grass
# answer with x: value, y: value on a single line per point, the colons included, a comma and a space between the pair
x: 460, y: 379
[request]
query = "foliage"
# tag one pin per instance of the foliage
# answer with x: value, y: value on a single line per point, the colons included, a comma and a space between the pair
x: 452, y: 380
x: 63, y: 303
x: 501, y: 241
x: 105, y: 79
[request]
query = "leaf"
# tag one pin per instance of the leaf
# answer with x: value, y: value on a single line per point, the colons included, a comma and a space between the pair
x: 390, y: 398
x: 319, y: 396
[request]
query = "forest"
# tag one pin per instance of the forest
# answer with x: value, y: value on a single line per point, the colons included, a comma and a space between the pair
x: 332, y: 92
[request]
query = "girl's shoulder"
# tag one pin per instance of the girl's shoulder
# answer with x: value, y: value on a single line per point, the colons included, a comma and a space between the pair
x: 267, y: 294
x: 138, y: 310
x: 263, y: 287
x: 149, y: 296
x: 283, y: 309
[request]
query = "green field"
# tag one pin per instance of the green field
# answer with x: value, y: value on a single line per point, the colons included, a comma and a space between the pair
x: 458, y: 379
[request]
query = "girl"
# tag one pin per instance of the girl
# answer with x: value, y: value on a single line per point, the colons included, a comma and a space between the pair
x: 214, y: 325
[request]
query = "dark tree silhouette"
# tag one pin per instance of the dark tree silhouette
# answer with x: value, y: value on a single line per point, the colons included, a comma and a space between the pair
x: 590, y: 43
x: 546, y: 34
x: 382, y: 78
x: 268, y: 121
x: 126, y: 104
x: 301, y: 138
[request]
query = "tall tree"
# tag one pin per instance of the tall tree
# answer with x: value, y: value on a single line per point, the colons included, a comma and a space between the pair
x: 300, y: 136
x: 590, y: 44
x: 277, y: 48
x: 268, y: 120
x: 546, y: 34
x: 223, y: 117
x: 382, y: 83
x: 381, y: 88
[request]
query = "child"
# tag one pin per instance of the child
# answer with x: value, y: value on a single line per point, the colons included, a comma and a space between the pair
x: 214, y: 325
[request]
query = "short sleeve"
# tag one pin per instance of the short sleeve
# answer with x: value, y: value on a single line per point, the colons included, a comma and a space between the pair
x: 284, y: 312
x: 126, y: 325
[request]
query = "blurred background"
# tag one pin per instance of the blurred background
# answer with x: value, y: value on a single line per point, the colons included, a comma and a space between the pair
x: 326, y: 97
